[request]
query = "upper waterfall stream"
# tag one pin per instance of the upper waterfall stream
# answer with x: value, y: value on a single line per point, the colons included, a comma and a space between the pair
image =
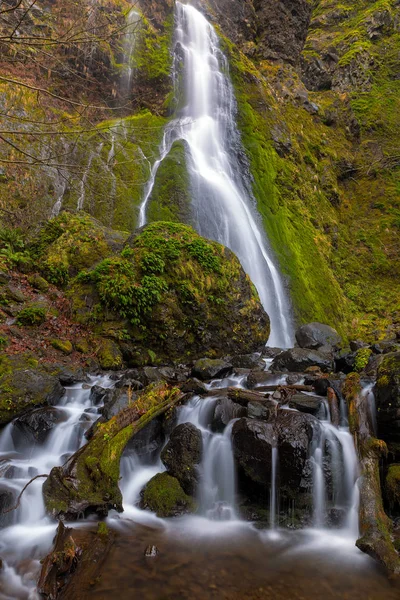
x: 223, y: 207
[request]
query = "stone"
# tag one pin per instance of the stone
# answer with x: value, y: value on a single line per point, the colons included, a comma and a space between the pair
x: 63, y: 346
x: 72, y: 375
x: 116, y: 400
x: 35, y: 426
x: 299, y: 359
x: 109, y: 355
x: 194, y: 386
x: 182, y: 456
x: 13, y: 293
x: 226, y: 410
x: 256, y: 378
x: 164, y: 496
x: 312, y: 405
x: 317, y: 335
x: 38, y: 282
x: 7, y: 500
x: 247, y: 361
x: 345, y: 362
x: 260, y: 410
x: 97, y: 394
x: 207, y: 368
x: 148, y: 441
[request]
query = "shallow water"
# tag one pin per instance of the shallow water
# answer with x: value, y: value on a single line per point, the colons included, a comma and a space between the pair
x: 201, y: 559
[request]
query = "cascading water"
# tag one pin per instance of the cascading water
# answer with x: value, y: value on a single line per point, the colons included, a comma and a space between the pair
x: 29, y: 532
x: 222, y: 202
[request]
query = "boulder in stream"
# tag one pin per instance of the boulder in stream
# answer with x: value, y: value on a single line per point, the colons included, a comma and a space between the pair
x: 317, y: 335
x: 208, y: 368
x: 34, y: 427
x: 164, y: 495
x: 387, y: 392
x: 182, y: 455
x: 300, y: 359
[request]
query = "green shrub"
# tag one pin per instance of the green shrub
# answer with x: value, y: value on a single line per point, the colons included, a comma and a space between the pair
x: 31, y: 315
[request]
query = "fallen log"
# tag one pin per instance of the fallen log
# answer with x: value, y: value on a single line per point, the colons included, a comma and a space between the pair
x: 88, y: 481
x: 243, y: 397
x: 296, y: 387
x: 374, y: 524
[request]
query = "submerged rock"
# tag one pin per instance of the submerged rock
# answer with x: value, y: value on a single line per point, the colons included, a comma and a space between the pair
x: 317, y: 335
x: 164, y: 496
x: 312, y: 405
x: 182, y: 455
x: 226, y: 410
x: 300, y: 359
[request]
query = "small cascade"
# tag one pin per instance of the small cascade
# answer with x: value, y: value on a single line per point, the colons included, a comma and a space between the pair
x: 318, y: 485
x: 83, y: 181
x: 29, y: 532
x: 368, y: 394
x: 133, y: 21
x: 222, y: 201
x: 273, y: 491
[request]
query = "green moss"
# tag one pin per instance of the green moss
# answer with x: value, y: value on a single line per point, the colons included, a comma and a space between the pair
x: 31, y: 315
x: 63, y: 346
x: 109, y: 355
x: 362, y: 357
x: 164, y: 496
x: 170, y: 198
x: 152, y: 56
x: 170, y: 292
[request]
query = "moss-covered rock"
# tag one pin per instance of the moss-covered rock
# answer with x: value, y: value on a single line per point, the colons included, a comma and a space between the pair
x: 88, y: 481
x: 170, y: 198
x: 64, y: 346
x: 109, y: 355
x: 38, y: 282
x: 164, y: 496
x: 25, y: 384
x: 70, y: 243
x: 173, y: 295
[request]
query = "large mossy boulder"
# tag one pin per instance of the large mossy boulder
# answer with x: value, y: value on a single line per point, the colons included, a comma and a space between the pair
x: 182, y: 456
x: 26, y: 384
x: 171, y: 295
x: 387, y: 392
x: 70, y: 243
x: 165, y: 496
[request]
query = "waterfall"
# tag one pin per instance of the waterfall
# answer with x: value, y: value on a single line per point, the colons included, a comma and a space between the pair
x: 222, y: 203
x: 133, y: 21
x: 272, y: 504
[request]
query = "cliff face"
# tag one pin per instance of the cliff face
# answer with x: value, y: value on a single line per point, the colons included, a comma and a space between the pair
x: 318, y: 102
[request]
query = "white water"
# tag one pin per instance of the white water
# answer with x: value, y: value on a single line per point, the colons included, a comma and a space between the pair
x: 368, y: 394
x: 30, y: 533
x: 222, y: 203
x: 272, y: 502
x: 133, y: 21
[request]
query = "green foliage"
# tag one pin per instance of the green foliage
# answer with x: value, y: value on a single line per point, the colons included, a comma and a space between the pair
x: 362, y: 357
x: 31, y: 315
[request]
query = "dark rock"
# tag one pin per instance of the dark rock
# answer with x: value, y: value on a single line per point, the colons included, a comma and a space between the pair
x: 256, y: 378
x: 269, y: 352
x: 13, y: 293
x: 300, y: 359
x: 4, y: 277
x: 252, y: 444
x: 357, y: 345
x: 182, y: 455
x: 317, y: 335
x: 247, y: 361
x: 98, y: 393
x: 116, y: 400
x: 164, y: 496
x: 261, y: 410
x: 387, y: 394
x: 207, y: 368
x: 71, y: 376
x: 149, y: 440
x: 194, y: 386
x: 312, y: 405
x: 7, y: 500
x: 293, y: 378
x: 38, y: 282
x: 345, y: 362
x: 225, y: 411
x: 34, y: 427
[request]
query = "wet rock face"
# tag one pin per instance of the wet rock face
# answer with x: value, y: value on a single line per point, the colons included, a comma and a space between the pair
x: 182, y: 455
x: 149, y: 440
x: 282, y: 28
x: 387, y: 392
x: 35, y: 427
x: 225, y: 411
x: 300, y: 359
x: 317, y: 335
x: 207, y: 368
x: 291, y: 432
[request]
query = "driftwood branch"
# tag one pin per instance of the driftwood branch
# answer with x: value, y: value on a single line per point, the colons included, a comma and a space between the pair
x: 20, y: 495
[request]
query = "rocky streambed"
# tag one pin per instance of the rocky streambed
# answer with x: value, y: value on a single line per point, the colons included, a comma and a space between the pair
x: 229, y: 467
